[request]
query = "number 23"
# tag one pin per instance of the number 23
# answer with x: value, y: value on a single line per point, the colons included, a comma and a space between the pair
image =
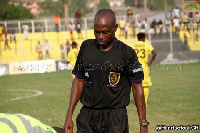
x: 141, y: 51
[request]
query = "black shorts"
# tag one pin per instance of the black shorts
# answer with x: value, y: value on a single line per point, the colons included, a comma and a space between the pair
x: 102, y: 120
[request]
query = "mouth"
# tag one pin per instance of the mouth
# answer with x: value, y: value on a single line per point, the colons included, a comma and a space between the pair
x: 101, y: 42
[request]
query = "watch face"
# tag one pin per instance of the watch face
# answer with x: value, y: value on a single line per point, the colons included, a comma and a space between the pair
x: 144, y: 123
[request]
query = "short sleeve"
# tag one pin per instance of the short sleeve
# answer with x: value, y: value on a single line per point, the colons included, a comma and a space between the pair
x: 134, y: 68
x: 150, y: 48
x: 78, y: 70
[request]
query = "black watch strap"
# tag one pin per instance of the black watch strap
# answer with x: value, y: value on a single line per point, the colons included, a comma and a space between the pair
x: 144, y: 123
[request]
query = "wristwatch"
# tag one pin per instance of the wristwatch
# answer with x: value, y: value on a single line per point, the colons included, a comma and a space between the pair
x: 144, y: 123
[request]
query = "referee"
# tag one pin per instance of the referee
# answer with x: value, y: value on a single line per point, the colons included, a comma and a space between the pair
x: 105, y: 71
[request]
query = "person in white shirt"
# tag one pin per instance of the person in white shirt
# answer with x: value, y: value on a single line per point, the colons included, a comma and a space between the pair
x: 25, y: 28
x: 167, y: 25
x: 47, y: 48
x: 13, y: 37
x: 126, y: 30
x: 146, y: 26
x: 71, y: 29
x: 176, y: 24
x: 139, y: 25
x: 176, y: 12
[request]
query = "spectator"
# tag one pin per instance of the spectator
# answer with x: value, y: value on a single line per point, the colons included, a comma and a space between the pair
x: 67, y: 44
x: 122, y: 24
x: 78, y: 29
x: 154, y: 26
x: 129, y: 14
x: 13, y: 37
x: 1, y: 32
x: 47, y: 48
x: 6, y: 39
x: 139, y: 25
x: 39, y: 50
x: 160, y: 26
x: 127, y: 30
x: 25, y: 28
x: 176, y: 24
x: 167, y: 25
x: 71, y: 29
x: 62, y: 49
x: 133, y: 28
x: 57, y: 22
x: 146, y: 26
x: 176, y: 12
x: 78, y: 15
x: 185, y: 42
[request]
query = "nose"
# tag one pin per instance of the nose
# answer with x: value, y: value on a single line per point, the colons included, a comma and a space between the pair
x: 101, y: 36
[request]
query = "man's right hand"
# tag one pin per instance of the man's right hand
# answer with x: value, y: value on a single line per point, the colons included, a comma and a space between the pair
x: 68, y: 126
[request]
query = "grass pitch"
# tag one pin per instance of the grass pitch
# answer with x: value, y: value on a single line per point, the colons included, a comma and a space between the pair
x: 174, y: 97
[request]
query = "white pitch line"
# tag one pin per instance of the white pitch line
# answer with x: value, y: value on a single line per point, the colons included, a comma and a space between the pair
x: 37, y: 93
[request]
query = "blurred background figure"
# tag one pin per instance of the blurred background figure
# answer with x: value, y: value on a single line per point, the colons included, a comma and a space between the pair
x: 72, y: 56
x: 126, y: 29
x: 71, y: 29
x: 146, y: 25
x: 68, y: 46
x: 62, y: 50
x: 47, y: 48
x: 78, y: 29
x: 25, y: 28
x: 1, y: 32
x: 176, y: 12
x: 154, y: 26
x: 13, y: 37
x: 78, y: 15
x: 39, y: 50
x: 57, y: 21
x: 6, y: 39
x: 160, y: 26
x: 129, y: 14
x: 122, y: 25
x: 139, y: 25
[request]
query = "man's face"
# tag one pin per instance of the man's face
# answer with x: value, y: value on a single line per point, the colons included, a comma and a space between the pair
x: 104, y: 31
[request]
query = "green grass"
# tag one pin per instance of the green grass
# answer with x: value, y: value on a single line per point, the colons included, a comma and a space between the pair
x: 174, y: 97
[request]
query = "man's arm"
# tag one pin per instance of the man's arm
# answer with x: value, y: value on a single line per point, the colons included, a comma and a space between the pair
x: 76, y: 92
x: 140, y: 104
x: 154, y: 53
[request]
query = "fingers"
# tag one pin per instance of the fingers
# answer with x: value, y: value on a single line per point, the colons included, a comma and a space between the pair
x: 68, y: 129
x: 71, y: 129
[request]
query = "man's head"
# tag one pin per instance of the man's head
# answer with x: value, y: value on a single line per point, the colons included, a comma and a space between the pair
x: 105, y: 27
x: 141, y: 36
x: 74, y: 44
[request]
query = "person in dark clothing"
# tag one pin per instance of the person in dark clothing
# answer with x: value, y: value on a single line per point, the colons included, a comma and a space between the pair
x: 105, y: 71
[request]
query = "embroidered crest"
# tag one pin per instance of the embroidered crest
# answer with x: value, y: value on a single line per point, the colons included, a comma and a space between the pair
x: 114, y: 78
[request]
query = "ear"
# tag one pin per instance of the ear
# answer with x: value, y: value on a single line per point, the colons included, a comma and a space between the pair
x: 116, y: 26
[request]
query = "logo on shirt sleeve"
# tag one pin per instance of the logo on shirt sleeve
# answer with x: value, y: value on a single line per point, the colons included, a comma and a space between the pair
x: 114, y: 78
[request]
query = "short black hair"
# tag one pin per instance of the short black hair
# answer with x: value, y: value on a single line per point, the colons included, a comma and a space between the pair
x: 141, y: 36
x: 74, y: 44
x: 58, y: 129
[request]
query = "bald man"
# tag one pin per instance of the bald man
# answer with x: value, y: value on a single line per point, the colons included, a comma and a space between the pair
x: 105, y: 71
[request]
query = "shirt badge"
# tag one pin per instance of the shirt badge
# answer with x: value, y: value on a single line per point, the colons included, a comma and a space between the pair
x: 114, y: 78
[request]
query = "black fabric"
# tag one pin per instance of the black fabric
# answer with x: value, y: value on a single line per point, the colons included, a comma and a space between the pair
x: 102, y: 121
x: 96, y: 66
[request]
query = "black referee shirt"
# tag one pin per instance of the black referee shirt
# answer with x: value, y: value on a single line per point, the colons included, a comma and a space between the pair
x: 108, y: 75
